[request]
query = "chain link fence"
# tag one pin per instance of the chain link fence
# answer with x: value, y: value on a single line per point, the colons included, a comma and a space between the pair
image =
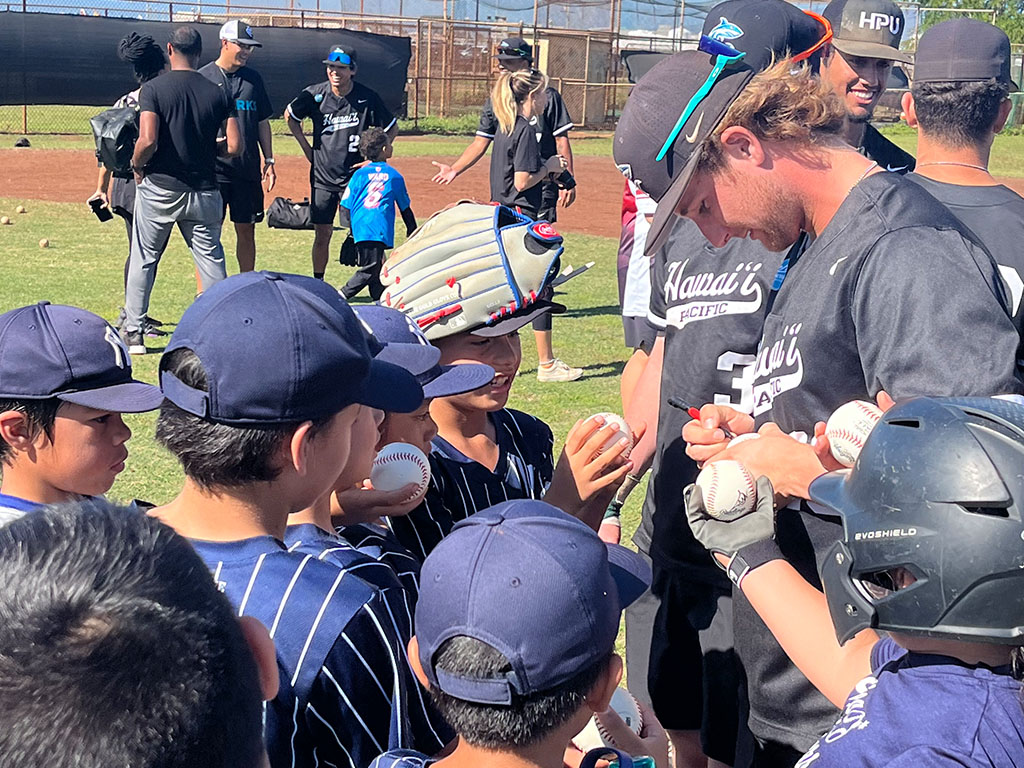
x: 577, y: 42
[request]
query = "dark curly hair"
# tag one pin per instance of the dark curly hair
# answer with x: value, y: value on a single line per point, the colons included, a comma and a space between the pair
x: 145, y: 56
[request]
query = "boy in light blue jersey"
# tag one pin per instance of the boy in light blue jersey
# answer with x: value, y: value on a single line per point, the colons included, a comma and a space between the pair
x: 370, y: 198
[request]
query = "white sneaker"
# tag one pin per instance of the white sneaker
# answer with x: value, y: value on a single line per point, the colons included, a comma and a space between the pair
x: 558, y: 371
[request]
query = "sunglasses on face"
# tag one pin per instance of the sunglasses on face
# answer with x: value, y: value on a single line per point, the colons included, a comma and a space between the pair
x: 340, y: 57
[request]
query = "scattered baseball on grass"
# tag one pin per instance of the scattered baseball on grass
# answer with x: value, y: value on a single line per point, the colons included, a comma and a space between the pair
x: 44, y: 243
x: 398, y: 465
x: 594, y: 735
x: 848, y: 428
x: 727, y: 489
x: 5, y: 220
x: 622, y: 431
x: 20, y: 209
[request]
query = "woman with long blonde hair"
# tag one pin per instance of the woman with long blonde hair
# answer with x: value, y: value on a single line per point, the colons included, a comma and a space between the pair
x: 517, y: 168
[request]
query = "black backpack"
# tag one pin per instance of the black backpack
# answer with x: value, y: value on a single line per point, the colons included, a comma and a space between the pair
x: 115, y: 131
x: 285, y: 213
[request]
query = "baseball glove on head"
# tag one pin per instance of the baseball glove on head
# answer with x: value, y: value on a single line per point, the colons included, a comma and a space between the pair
x: 470, y: 267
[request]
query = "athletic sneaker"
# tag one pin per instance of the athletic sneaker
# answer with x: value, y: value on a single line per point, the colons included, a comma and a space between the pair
x: 556, y: 370
x: 136, y: 343
x: 152, y: 328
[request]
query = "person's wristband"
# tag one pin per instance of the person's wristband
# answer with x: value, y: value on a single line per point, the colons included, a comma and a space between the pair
x: 750, y: 557
x: 613, y: 511
x: 269, y: 161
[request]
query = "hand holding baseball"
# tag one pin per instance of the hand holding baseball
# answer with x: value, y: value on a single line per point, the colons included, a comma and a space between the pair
x: 652, y: 739
x: 591, y: 468
x: 705, y: 437
x: 367, y: 503
x: 728, y: 537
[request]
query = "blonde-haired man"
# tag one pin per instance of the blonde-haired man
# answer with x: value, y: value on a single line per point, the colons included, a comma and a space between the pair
x: 891, y: 293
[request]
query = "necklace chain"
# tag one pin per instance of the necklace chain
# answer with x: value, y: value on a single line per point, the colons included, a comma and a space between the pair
x: 953, y: 162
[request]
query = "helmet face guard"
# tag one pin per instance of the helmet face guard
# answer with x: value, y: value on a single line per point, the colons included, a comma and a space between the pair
x: 932, y: 517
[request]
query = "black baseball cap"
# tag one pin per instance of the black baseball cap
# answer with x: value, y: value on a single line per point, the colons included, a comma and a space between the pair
x: 753, y: 33
x: 341, y: 56
x: 963, y: 51
x: 766, y: 30
x: 513, y: 48
x: 238, y: 31
x: 652, y: 111
x: 53, y: 350
x: 871, y: 28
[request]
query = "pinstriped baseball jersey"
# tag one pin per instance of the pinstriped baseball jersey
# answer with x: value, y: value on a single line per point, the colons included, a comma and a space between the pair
x: 343, y: 697
x: 430, y: 733
x: 402, y: 758
x: 460, y: 487
x: 382, y: 545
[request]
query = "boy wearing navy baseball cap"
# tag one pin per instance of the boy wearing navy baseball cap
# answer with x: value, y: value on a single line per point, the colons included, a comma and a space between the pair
x: 360, y: 514
x: 515, y: 635
x: 264, y: 378
x: 65, y: 380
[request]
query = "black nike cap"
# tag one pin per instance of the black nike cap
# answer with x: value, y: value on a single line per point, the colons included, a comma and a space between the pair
x: 963, y: 51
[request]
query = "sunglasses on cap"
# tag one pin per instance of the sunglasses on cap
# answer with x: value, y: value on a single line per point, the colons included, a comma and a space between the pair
x: 725, y: 56
x: 340, y: 57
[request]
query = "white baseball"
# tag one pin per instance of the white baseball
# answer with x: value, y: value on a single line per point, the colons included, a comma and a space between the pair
x: 398, y: 465
x: 743, y: 438
x: 622, y: 431
x: 594, y: 735
x: 848, y: 428
x: 727, y: 489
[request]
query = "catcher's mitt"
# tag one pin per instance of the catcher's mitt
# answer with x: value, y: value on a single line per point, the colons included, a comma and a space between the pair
x: 470, y: 265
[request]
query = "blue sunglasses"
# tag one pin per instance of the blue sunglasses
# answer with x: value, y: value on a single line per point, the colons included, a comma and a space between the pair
x: 725, y: 55
x: 340, y: 57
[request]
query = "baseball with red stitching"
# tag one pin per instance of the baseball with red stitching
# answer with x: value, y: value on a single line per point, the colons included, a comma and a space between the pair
x: 622, y: 431
x: 848, y: 427
x: 594, y: 734
x: 727, y: 490
x: 398, y: 465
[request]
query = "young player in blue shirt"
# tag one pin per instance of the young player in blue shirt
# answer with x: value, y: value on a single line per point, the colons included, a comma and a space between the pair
x: 65, y: 380
x: 918, y: 635
x: 257, y: 444
x: 372, y: 194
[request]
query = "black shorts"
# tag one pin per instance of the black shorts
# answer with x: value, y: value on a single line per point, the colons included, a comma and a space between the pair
x: 681, y: 662
x: 548, y: 202
x: 369, y: 252
x: 323, y: 207
x: 244, y: 199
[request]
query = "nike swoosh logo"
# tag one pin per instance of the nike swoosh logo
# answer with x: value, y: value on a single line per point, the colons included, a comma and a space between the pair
x: 890, y: 169
x: 693, y: 136
x: 840, y: 260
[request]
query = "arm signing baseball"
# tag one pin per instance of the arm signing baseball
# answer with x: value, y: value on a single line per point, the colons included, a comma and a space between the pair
x: 566, y: 196
x: 446, y: 174
x: 705, y: 438
x: 795, y: 612
x: 789, y: 464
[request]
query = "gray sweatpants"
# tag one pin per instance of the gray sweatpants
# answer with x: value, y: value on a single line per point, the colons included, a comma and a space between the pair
x: 158, y: 207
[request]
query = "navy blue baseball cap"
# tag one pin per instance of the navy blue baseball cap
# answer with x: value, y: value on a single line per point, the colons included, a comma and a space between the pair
x: 403, y: 341
x: 535, y: 584
x: 280, y: 349
x: 53, y: 350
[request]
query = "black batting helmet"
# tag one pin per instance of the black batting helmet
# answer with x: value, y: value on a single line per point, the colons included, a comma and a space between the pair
x: 937, y: 499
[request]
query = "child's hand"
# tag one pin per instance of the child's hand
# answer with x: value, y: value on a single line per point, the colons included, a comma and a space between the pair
x: 652, y: 741
x: 586, y: 478
x: 366, y: 503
